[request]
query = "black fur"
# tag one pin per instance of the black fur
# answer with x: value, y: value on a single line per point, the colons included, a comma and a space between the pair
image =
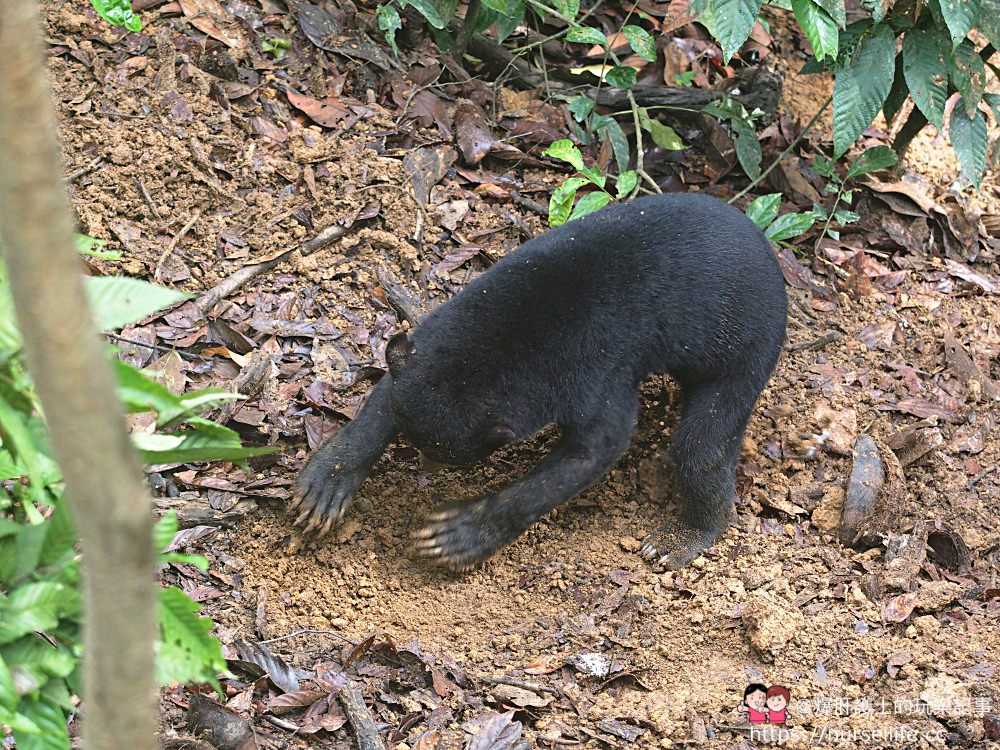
x: 563, y: 330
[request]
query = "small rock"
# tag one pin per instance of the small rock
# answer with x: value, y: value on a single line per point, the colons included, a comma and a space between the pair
x: 754, y: 577
x: 770, y: 622
x: 826, y: 516
x: 629, y: 543
x: 935, y: 595
x: 927, y: 625
x: 945, y: 696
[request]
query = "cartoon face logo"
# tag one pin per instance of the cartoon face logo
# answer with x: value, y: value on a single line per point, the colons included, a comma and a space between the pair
x: 755, y: 702
x: 777, y: 701
x: 765, y: 705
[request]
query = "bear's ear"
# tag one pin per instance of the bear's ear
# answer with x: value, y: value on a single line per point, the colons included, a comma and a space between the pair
x: 498, y: 435
x: 397, y: 351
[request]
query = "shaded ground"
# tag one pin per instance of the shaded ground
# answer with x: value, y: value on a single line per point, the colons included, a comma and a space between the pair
x: 198, y: 167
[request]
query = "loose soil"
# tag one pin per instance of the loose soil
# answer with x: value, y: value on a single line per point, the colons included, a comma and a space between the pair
x: 779, y: 600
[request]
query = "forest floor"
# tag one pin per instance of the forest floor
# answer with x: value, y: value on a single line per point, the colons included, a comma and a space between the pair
x: 196, y: 154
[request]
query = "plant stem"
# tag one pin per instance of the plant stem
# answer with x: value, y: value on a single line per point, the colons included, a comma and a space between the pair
x: 783, y: 154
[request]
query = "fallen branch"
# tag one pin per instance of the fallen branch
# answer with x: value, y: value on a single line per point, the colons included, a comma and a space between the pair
x: 158, y: 270
x: 361, y: 718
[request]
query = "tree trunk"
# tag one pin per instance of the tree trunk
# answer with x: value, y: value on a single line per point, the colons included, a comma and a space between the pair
x: 74, y: 382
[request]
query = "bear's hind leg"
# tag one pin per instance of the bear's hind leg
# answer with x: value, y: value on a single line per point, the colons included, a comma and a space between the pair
x: 705, y: 448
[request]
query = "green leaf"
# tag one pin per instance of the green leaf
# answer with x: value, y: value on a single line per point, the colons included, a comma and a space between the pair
x: 925, y: 65
x: 165, y: 530
x: 118, y: 13
x: 33, y: 606
x: 206, y: 442
x: 605, y: 126
x: 581, y: 107
x: 187, y: 650
x: 968, y: 73
x: 747, y: 147
x: 988, y: 20
x: 507, y: 23
x: 586, y: 35
x: 971, y: 141
x: 60, y: 535
x: 734, y: 20
x: 789, y: 225
x: 835, y: 9
x: 819, y: 27
x: 118, y: 300
x: 663, y: 136
x: 959, y: 15
x: 561, y: 202
x: 51, y: 723
x: 872, y: 160
x: 621, y: 77
x: 589, y: 203
x: 641, y: 42
x: 568, y: 9
x: 625, y: 183
x: 762, y: 210
x: 437, y: 12
x: 390, y: 22
x: 594, y: 175
x: 564, y: 150
x: 142, y: 393
x: 861, y: 87
x: 18, y: 436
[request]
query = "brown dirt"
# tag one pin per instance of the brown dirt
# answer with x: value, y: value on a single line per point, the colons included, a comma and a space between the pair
x: 778, y: 600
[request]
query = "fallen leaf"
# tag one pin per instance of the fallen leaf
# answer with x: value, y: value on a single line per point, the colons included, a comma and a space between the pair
x: 326, y: 112
x: 210, y: 17
x: 472, y: 131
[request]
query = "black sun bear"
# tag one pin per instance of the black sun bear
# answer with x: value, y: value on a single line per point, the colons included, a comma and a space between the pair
x: 564, y: 330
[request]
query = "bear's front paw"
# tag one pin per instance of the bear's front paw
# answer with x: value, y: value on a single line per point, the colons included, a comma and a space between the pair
x: 675, y: 544
x: 325, y: 491
x: 461, y: 535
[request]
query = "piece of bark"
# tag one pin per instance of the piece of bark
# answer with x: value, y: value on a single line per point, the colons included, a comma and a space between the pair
x: 361, y: 718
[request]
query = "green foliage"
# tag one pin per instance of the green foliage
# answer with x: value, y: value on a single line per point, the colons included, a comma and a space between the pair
x: 861, y: 86
x: 925, y: 66
x: 763, y: 211
x: 40, y: 646
x: 118, y: 13
x: 733, y: 20
x: 561, y: 208
x: 971, y: 141
x: 276, y: 46
x: 118, y: 301
x: 820, y: 28
x: 390, y: 22
x: 744, y: 136
x: 437, y: 12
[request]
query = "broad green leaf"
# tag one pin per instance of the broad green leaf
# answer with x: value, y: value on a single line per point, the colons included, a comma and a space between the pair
x: 51, y: 722
x: 594, y: 175
x: 626, y: 183
x: 507, y: 23
x: 872, y: 160
x: 118, y: 13
x: 586, y: 35
x: 95, y: 248
x: 390, y: 22
x: 119, y: 300
x: 988, y: 20
x: 959, y: 15
x: 581, y: 107
x: 747, y: 147
x: 437, y: 12
x: 204, y: 441
x: 10, y: 336
x: 564, y: 150
x: 8, y: 694
x: 789, y: 225
x: 561, y: 202
x: 606, y: 126
x: 968, y: 73
x: 762, y: 210
x: 142, y: 393
x: 21, y: 553
x: 835, y: 9
x: 663, y: 136
x: 621, y: 77
x: 484, y: 19
x: 971, y: 141
x: 641, y: 42
x: 993, y: 100
x: 60, y: 535
x: 568, y: 9
x: 925, y: 65
x: 820, y: 29
x: 734, y: 20
x: 861, y: 87
x: 31, y: 607
x: 187, y: 650
x: 589, y: 203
